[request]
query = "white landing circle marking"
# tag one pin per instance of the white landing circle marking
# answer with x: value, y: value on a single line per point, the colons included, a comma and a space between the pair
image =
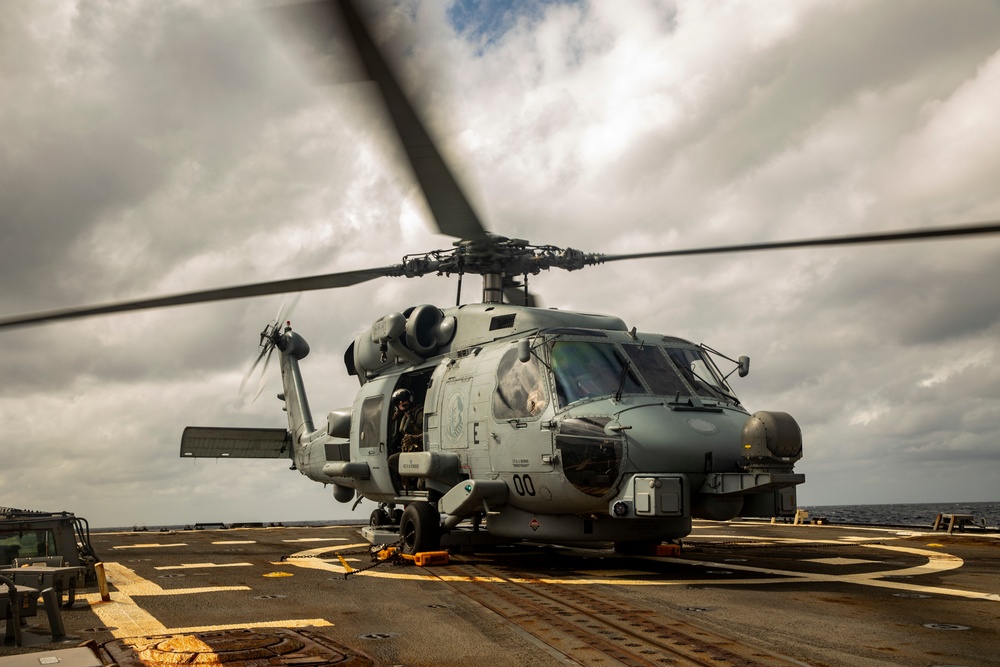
x: 936, y: 562
x: 840, y: 561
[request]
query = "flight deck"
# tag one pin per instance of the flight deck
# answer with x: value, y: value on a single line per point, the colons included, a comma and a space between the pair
x: 739, y: 593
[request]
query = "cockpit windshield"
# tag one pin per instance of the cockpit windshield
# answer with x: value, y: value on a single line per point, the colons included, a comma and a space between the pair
x: 656, y: 370
x: 590, y: 370
x: 699, y: 373
x: 586, y: 370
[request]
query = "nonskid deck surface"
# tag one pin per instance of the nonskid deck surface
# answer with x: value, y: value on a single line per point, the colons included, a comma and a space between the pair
x: 741, y: 593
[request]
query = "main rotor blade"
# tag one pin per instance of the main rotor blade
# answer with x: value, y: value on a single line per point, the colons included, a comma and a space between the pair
x: 326, y: 281
x: 451, y: 210
x: 857, y: 239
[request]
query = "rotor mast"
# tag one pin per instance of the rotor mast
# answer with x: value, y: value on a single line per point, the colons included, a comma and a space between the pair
x: 493, y: 287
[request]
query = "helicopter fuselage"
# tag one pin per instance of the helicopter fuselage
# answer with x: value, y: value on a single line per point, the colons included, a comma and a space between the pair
x: 545, y: 425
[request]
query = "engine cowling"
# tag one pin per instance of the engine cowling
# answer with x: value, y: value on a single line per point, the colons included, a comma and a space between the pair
x: 402, y: 338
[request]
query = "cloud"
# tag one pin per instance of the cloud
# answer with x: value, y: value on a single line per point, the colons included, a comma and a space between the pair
x: 157, y: 149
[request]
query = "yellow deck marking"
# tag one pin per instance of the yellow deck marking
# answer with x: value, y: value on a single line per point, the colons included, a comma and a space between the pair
x: 855, y: 538
x: 318, y: 539
x: 310, y: 554
x: 124, y: 614
x: 936, y: 562
x: 130, y: 620
x: 149, y: 546
x: 237, y: 542
x: 840, y: 561
x: 191, y: 566
x: 311, y: 559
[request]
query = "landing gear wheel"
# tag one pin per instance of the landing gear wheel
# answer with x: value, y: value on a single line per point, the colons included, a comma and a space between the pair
x: 420, y: 528
x: 378, y: 518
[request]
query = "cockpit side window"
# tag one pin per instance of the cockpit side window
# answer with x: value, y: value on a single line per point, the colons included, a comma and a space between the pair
x: 520, y: 392
x: 588, y: 370
x: 658, y: 373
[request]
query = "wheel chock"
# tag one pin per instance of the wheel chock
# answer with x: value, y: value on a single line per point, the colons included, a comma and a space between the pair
x: 421, y: 559
x: 426, y: 558
x: 667, y: 550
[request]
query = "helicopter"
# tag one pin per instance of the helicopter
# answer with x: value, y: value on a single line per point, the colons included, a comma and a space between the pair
x: 542, y: 424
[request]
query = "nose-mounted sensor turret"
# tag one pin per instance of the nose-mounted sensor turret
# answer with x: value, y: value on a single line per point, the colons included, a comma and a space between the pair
x: 771, y: 441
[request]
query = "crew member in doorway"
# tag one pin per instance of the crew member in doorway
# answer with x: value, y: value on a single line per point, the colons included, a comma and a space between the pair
x: 406, y: 431
x: 407, y: 422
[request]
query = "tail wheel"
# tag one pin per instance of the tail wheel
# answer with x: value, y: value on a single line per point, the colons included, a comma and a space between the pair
x: 420, y: 528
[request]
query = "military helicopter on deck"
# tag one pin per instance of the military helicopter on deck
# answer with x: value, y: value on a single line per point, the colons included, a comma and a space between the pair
x: 535, y: 424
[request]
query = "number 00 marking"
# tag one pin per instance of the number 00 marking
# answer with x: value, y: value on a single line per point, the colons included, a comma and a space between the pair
x: 523, y: 485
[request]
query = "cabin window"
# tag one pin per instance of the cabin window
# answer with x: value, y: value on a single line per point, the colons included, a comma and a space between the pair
x: 591, y: 458
x: 659, y: 374
x: 371, y: 415
x: 520, y: 392
x: 589, y: 370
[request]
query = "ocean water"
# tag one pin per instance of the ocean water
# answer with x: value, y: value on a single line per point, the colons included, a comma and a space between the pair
x: 904, y: 514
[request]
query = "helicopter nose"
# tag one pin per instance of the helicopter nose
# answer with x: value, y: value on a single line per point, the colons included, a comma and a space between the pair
x: 661, y: 439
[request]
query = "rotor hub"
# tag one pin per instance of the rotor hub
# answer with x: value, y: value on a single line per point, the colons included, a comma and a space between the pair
x: 496, y: 255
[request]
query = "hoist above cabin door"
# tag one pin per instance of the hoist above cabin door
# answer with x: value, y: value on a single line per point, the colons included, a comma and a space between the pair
x: 520, y: 410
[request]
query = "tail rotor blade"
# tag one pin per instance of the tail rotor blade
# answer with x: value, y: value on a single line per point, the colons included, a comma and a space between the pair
x: 288, y: 305
x: 263, y: 376
x: 253, y: 367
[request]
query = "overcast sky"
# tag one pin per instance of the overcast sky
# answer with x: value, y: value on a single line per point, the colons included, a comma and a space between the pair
x: 150, y: 148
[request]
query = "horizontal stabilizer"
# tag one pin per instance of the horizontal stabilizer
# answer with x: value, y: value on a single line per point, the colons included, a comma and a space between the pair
x: 235, y: 443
